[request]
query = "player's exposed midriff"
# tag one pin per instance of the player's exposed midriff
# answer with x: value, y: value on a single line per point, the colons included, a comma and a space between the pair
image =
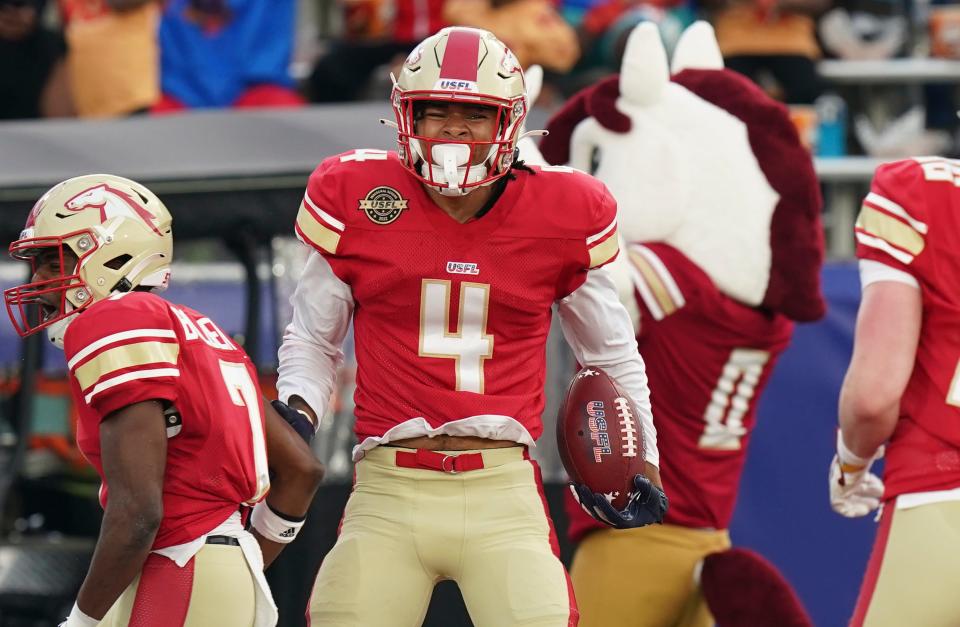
x: 452, y: 443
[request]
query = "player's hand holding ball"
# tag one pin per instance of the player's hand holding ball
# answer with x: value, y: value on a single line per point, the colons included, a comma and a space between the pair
x: 602, y: 448
x: 646, y: 505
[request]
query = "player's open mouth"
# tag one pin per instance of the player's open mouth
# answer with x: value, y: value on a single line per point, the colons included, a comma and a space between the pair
x: 47, y: 311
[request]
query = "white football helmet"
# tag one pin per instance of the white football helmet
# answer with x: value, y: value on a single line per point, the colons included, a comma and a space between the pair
x: 120, y: 233
x: 467, y: 66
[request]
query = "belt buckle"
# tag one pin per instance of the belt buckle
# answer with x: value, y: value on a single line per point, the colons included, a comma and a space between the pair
x: 453, y: 466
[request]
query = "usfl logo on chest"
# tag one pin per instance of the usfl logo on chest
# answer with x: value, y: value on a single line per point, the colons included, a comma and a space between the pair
x: 383, y: 205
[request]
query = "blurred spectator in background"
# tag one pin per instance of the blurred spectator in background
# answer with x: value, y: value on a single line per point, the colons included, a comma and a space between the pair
x: 603, y: 26
x: 375, y: 33
x: 901, y: 123
x: 112, y: 55
x: 532, y: 29
x: 33, y: 78
x: 864, y: 30
x: 777, y: 37
x: 227, y: 53
x: 943, y: 32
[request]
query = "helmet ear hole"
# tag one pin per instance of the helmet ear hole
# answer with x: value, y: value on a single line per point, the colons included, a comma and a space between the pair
x: 117, y: 262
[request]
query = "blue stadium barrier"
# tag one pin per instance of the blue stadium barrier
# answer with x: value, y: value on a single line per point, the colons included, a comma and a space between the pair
x: 783, y: 511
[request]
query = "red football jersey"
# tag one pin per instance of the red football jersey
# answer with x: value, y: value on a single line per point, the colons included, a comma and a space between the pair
x: 910, y: 221
x: 712, y: 357
x: 135, y: 347
x: 451, y: 320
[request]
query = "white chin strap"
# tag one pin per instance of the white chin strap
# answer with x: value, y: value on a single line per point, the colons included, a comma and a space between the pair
x: 450, y: 167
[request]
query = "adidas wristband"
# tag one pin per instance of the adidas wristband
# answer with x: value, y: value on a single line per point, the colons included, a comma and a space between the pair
x: 272, y: 525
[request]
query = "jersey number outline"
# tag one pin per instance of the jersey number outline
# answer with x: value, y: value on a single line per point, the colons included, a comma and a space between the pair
x: 243, y: 393
x: 730, y: 400
x: 470, y: 345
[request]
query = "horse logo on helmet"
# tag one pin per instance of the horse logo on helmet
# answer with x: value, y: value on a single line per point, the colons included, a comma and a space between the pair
x: 112, y: 203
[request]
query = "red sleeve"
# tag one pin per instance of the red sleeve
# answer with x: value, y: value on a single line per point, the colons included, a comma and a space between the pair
x: 320, y: 221
x: 597, y: 242
x: 122, y: 351
x: 891, y: 227
x: 602, y: 240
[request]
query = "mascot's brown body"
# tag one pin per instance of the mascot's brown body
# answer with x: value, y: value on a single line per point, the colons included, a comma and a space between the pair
x: 719, y: 207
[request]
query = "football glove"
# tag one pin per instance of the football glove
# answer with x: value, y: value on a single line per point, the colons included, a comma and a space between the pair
x: 854, y: 490
x: 296, y: 418
x: 647, y: 505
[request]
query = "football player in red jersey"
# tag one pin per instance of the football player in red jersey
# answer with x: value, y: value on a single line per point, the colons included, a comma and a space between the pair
x: 902, y: 391
x: 171, y: 417
x: 448, y: 257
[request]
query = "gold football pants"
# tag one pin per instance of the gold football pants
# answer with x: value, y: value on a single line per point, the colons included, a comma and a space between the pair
x: 405, y: 529
x: 643, y: 577
x: 214, y: 589
x: 913, y: 571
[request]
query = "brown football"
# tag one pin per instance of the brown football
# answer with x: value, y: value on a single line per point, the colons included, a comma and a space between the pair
x: 600, y: 436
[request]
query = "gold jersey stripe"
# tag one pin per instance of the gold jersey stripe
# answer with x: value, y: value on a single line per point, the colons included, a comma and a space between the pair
x: 126, y: 356
x: 605, y: 250
x: 889, y: 229
x: 317, y: 234
x: 659, y: 290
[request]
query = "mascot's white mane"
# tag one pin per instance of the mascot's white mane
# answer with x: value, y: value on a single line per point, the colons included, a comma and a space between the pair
x: 685, y: 174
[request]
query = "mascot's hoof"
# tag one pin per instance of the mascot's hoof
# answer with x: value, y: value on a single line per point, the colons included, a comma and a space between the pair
x: 742, y: 589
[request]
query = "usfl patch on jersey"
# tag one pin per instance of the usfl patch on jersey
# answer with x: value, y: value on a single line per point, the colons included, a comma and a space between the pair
x: 383, y: 205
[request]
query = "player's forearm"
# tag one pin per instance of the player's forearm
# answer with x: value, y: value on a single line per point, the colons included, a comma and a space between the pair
x: 306, y: 375
x: 289, y: 500
x: 867, y: 421
x: 291, y: 493
x: 126, y: 537
x: 290, y: 496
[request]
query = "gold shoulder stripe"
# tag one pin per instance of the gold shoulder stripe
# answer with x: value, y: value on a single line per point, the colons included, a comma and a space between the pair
x: 126, y: 356
x: 605, y: 250
x: 316, y: 233
x: 652, y: 279
x: 889, y: 229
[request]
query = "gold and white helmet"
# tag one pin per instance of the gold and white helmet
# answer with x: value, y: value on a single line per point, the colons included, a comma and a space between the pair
x: 465, y: 66
x: 119, y: 231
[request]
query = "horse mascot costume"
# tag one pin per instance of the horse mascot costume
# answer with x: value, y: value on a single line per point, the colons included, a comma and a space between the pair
x: 719, y: 212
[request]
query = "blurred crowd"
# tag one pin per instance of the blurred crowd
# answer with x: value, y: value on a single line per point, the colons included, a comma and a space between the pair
x: 108, y: 58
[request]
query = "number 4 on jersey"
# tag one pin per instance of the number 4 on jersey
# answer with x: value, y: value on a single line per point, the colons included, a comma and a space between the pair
x: 470, y: 344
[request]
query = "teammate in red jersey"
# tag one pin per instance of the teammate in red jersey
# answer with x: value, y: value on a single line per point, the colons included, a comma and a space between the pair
x: 448, y: 256
x: 902, y: 390
x: 171, y: 417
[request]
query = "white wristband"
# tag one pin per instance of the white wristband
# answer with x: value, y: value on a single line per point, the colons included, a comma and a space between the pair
x: 273, y: 527
x: 78, y: 619
x: 846, y: 456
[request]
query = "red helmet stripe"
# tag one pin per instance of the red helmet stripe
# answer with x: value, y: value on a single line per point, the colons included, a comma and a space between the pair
x: 460, y: 56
